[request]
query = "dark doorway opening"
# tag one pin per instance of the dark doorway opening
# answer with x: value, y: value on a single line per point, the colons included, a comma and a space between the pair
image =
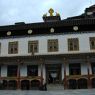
x: 53, y: 73
x: 35, y: 84
x: 93, y: 83
x: 12, y: 85
x: 72, y: 84
x: 3, y: 84
x: 82, y: 83
x: 25, y: 85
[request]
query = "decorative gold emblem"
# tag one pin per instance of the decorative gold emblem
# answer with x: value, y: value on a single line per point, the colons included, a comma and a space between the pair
x: 9, y: 33
x: 52, y: 30
x: 51, y: 11
x: 75, y: 28
x: 30, y: 31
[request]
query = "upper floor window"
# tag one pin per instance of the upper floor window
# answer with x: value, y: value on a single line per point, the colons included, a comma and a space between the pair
x: 73, y: 44
x: 92, y: 42
x: 52, y: 45
x: 32, y: 46
x: 13, y: 47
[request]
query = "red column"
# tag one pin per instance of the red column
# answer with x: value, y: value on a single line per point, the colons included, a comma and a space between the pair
x: 88, y: 71
x: 65, y: 78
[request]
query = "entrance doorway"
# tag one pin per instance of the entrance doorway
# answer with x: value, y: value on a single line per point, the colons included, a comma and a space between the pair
x: 53, y: 73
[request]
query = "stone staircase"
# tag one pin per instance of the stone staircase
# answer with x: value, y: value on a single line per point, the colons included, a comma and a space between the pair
x: 52, y: 87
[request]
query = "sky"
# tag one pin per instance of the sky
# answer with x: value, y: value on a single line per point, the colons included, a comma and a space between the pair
x: 31, y: 11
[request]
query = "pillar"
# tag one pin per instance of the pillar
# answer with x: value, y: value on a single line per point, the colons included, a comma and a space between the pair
x: 88, y: 71
x: 18, y: 75
x: 65, y: 78
x: 41, y: 63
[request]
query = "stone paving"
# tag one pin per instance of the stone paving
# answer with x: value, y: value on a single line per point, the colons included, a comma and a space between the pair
x: 63, y: 92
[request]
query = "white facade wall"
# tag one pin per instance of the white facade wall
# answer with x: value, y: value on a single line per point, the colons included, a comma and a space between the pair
x: 84, y: 69
x: 23, y: 70
x: 84, y: 46
x: 4, y: 71
x: 67, y: 69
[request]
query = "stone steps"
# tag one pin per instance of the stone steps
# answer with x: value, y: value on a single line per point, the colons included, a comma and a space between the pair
x: 52, y: 87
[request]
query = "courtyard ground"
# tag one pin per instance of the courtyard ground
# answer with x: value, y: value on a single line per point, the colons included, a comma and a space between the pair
x: 62, y: 92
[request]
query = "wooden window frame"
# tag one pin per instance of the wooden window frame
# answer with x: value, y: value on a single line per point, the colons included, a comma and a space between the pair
x: 92, y: 40
x: 53, y: 44
x: 13, y: 47
x: 75, y: 44
x: 34, y: 45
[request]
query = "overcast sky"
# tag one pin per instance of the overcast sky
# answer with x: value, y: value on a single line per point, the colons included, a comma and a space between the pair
x: 30, y: 11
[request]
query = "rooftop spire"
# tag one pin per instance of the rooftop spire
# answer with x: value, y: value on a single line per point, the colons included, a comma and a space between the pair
x: 51, y: 11
x: 51, y: 16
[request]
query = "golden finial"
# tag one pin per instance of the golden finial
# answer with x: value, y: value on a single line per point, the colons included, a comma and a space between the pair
x: 57, y: 14
x: 51, y: 11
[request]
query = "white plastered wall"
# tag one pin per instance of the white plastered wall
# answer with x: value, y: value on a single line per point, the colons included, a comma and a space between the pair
x: 4, y: 71
x: 84, y: 46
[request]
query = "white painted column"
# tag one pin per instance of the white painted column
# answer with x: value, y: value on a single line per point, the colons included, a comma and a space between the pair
x: 44, y: 73
x: 62, y: 70
x: 4, y: 71
x: 23, y: 70
x: 84, y: 69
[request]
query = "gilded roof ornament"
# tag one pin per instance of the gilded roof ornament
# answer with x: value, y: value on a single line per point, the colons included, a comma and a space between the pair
x: 57, y: 14
x: 45, y: 15
x: 51, y: 11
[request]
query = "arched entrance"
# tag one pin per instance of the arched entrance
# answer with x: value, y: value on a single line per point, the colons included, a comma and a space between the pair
x: 82, y: 83
x: 12, y: 84
x: 93, y: 83
x: 4, y: 84
x: 25, y: 85
x: 72, y: 84
x: 0, y: 85
x: 35, y: 84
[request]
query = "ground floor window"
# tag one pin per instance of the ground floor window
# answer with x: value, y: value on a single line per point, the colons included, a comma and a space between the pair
x: 32, y: 70
x: 12, y: 70
x: 93, y: 67
x: 74, y: 69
